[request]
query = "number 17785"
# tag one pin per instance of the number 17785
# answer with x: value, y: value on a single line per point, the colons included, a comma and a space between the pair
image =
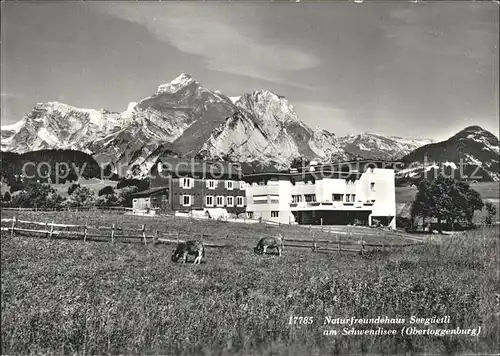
x: 300, y: 320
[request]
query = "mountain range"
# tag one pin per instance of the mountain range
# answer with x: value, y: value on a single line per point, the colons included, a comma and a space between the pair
x: 184, y: 118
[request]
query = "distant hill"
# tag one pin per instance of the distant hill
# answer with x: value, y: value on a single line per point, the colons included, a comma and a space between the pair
x: 47, y: 166
x: 471, y: 154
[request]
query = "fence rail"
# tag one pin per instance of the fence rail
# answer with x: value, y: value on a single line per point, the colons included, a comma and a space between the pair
x: 109, y: 233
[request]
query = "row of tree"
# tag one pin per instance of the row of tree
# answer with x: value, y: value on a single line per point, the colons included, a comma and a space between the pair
x: 43, y: 196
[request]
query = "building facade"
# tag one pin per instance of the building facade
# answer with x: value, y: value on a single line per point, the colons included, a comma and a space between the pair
x: 358, y: 192
x: 199, y: 185
x: 151, y: 201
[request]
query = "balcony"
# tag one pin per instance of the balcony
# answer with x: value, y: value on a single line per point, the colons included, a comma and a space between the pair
x: 329, y: 205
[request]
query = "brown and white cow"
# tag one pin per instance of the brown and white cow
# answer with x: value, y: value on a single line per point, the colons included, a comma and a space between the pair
x: 270, y: 242
x: 184, y: 249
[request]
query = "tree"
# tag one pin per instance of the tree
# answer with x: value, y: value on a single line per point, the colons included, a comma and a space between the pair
x: 125, y: 197
x: 82, y: 197
x: 107, y: 200
x: 37, y: 195
x: 448, y: 199
x: 491, y: 210
x: 6, y: 197
x: 106, y: 190
x: 72, y: 188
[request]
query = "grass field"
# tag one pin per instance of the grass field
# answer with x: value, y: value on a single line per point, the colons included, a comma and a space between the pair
x: 94, y: 184
x: 62, y: 296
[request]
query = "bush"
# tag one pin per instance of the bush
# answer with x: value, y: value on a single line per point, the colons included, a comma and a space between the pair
x: 37, y: 195
x: 106, y: 190
x: 107, y: 200
x: 125, y: 198
x: 72, y: 188
x: 6, y: 197
x: 82, y: 197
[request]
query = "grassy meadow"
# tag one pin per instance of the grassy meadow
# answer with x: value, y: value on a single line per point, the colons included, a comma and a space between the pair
x: 66, y: 297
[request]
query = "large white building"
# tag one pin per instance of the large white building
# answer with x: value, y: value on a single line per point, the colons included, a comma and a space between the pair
x: 361, y: 192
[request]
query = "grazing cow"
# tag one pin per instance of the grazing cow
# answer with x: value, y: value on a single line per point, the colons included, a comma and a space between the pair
x: 184, y: 249
x: 266, y: 242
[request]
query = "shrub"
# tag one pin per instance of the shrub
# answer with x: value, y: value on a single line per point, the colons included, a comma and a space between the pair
x: 6, y: 197
x: 72, y: 188
x: 82, y: 197
x: 37, y: 195
x: 107, y: 200
x: 125, y: 198
x: 106, y: 190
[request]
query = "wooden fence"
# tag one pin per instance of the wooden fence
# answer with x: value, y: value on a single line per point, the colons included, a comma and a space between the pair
x: 115, y: 233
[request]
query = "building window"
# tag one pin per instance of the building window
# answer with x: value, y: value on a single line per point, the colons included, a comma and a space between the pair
x: 229, y: 184
x: 353, y: 197
x: 250, y: 214
x: 242, y: 185
x: 187, y: 183
x: 337, y: 197
x: 372, y: 187
x: 230, y: 201
x: 310, y: 197
x: 219, y: 200
x: 240, y: 201
x: 209, y: 200
x: 211, y: 184
x: 347, y: 198
x: 296, y: 198
x: 275, y: 214
x: 186, y: 200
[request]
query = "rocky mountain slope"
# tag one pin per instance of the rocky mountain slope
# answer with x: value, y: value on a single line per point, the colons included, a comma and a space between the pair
x: 182, y: 117
x: 371, y: 145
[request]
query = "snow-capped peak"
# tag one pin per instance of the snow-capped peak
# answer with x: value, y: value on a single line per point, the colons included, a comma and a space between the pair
x: 234, y: 99
x: 180, y: 82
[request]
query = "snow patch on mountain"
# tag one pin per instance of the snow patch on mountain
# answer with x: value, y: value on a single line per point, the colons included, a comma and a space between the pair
x: 181, y: 81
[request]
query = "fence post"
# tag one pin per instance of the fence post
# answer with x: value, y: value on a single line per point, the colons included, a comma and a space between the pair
x: 13, y: 226
x: 85, y: 230
x: 321, y: 224
x: 51, y: 230
x: 113, y: 233
x: 144, y: 234
x: 339, y: 249
x: 46, y: 230
x: 155, y: 239
x: 177, y: 237
x: 314, y: 246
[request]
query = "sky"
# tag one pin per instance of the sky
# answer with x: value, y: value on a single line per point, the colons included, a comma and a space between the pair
x: 419, y: 70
